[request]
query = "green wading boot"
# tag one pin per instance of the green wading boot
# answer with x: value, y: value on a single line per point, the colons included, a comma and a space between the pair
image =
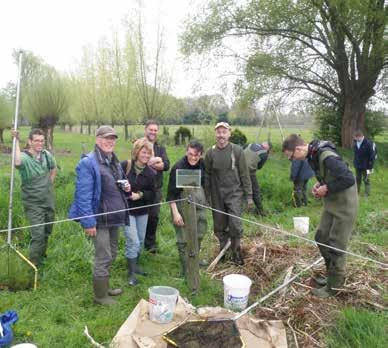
x: 237, y: 258
x: 132, y: 264
x: 320, y: 280
x: 334, y: 281
x: 100, y: 287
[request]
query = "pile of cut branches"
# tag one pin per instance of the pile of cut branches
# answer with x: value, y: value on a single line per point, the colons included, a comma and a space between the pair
x: 306, y: 316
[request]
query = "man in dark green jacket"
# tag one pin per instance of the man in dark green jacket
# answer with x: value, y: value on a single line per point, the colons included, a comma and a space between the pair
x: 37, y: 168
x: 227, y: 186
x: 337, y: 187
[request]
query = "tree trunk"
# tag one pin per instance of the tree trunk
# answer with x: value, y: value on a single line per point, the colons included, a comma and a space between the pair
x: 70, y: 127
x: 1, y: 136
x: 126, y: 134
x: 352, y: 119
x: 81, y: 130
x: 49, y: 136
x: 89, y: 128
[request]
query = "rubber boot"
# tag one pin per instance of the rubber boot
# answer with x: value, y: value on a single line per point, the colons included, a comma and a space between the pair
x: 132, y: 264
x: 333, y: 282
x: 138, y: 269
x: 100, y: 287
x: 322, y: 280
x: 236, y: 252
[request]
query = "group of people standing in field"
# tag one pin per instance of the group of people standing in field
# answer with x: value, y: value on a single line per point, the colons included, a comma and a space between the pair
x: 110, y: 194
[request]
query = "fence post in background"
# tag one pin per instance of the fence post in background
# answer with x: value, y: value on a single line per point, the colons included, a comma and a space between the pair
x: 191, y: 238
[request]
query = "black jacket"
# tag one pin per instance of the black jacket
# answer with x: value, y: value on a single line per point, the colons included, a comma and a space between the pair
x: 160, y: 151
x: 338, y: 168
x: 175, y: 193
x: 144, y: 182
x: 363, y: 156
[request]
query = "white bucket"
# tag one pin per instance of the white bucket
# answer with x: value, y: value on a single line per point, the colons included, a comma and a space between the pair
x: 162, y: 302
x: 301, y: 224
x: 25, y: 345
x: 236, y: 291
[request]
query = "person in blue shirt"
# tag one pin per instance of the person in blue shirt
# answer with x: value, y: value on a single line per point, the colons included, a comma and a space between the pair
x: 301, y: 172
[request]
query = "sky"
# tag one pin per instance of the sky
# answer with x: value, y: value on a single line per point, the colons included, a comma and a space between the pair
x: 56, y: 30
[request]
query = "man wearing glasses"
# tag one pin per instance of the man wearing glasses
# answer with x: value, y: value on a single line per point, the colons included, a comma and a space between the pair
x: 337, y: 187
x: 37, y: 168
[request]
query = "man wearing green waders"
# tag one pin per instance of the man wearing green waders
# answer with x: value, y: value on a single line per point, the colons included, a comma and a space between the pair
x: 337, y: 187
x: 37, y: 168
x: 227, y: 187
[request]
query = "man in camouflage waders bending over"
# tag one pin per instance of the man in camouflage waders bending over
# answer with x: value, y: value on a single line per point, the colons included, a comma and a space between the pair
x: 37, y: 168
x: 337, y: 187
x: 227, y: 187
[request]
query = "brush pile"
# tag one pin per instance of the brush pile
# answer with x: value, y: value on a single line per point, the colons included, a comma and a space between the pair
x: 306, y: 316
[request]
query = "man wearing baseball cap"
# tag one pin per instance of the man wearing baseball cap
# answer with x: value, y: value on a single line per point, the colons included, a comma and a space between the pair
x: 98, y: 192
x: 227, y: 186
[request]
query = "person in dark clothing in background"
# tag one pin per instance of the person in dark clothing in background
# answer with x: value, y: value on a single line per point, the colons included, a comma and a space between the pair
x: 337, y: 187
x: 301, y: 173
x: 142, y: 180
x: 364, y: 156
x: 160, y: 163
x: 98, y: 192
x: 256, y: 155
x: 192, y: 160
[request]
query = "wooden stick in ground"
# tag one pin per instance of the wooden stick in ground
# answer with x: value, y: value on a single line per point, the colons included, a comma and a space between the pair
x: 219, y: 256
x: 282, y: 292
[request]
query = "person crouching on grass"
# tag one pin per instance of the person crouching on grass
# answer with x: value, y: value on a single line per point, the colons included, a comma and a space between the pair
x: 337, y: 187
x: 143, y: 186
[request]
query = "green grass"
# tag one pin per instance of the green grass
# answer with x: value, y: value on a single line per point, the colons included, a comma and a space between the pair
x: 55, y: 314
x: 359, y: 329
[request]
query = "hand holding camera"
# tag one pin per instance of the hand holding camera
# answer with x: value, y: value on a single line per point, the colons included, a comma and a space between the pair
x: 124, y: 185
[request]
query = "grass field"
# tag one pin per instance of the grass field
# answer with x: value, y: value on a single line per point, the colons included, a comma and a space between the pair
x: 55, y: 314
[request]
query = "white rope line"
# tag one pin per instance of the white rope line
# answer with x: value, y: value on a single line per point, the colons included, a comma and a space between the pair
x: 291, y: 234
x: 89, y: 216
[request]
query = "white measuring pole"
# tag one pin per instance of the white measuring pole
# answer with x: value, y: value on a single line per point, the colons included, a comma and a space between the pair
x: 15, y: 126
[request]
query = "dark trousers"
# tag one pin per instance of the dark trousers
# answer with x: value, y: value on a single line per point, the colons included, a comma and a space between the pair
x: 300, y: 192
x: 256, y: 196
x: 361, y: 175
x: 152, y: 224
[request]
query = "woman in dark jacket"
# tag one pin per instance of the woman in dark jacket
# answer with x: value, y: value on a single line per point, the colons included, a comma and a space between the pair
x: 142, y: 180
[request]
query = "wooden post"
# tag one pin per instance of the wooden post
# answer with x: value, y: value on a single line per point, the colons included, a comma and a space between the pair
x: 191, y: 239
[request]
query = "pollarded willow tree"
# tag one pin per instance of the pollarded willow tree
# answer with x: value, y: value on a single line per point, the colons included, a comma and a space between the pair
x: 331, y: 48
x: 44, y: 96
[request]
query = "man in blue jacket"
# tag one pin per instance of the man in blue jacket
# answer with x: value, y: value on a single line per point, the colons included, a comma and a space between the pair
x: 99, y: 191
x: 364, y: 156
x: 301, y: 173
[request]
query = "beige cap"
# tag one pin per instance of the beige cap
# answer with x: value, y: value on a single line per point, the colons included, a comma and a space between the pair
x: 106, y: 131
x: 222, y: 124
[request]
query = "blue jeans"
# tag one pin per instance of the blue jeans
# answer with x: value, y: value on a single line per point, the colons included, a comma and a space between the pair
x: 135, y: 234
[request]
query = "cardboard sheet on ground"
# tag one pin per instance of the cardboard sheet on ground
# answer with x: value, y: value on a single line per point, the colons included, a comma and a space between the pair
x: 139, y: 332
